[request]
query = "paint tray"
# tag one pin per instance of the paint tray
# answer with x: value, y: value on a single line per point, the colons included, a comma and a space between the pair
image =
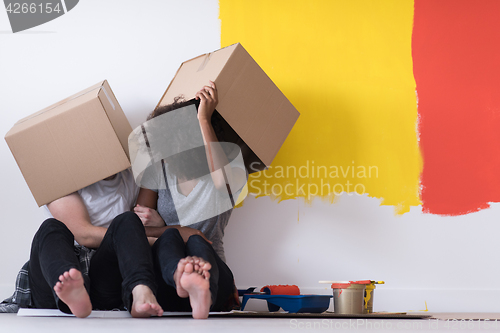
x: 292, y: 303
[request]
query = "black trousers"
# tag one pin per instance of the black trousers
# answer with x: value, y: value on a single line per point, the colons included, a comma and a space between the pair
x: 122, y: 261
x: 168, y: 250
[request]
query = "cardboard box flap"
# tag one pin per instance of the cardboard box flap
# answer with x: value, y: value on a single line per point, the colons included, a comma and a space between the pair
x: 195, y: 73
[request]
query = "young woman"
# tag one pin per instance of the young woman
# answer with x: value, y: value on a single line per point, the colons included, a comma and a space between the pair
x: 188, y: 215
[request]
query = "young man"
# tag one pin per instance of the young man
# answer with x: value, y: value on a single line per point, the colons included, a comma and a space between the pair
x: 93, y: 231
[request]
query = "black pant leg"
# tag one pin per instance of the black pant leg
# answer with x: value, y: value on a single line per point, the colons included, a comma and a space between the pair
x: 221, y: 277
x: 122, y: 261
x: 168, y: 249
x: 52, y: 254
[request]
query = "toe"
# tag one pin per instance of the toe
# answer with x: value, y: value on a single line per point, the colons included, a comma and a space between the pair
x: 189, y: 268
x: 74, y: 274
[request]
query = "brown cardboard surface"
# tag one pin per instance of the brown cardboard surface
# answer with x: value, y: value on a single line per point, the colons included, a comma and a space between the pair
x: 71, y: 144
x: 460, y: 316
x: 249, y: 101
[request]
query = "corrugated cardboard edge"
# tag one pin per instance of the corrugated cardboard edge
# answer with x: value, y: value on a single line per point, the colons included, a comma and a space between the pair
x: 124, y: 140
x: 61, y: 102
x: 6, y: 138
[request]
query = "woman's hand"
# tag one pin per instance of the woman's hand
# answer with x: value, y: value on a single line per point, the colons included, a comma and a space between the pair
x: 149, y: 217
x: 187, y: 232
x: 209, y: 98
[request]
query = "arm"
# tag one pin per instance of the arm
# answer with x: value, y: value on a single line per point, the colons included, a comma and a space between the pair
x: 71, y: 211
x: 153, y: 222
x: 216, y: 157
x: 146, y: 208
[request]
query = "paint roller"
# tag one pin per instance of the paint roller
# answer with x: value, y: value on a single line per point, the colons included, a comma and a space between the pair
x: 281, y: 289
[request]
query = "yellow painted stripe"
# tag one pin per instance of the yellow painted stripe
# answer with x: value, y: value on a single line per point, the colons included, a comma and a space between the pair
x: 347, y: 67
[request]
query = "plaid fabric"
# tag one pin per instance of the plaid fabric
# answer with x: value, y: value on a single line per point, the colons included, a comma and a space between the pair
x: 22, y: 294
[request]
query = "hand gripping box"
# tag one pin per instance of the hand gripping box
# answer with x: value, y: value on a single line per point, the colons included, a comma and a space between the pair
x: 71, y: 144
x: 255, y: 113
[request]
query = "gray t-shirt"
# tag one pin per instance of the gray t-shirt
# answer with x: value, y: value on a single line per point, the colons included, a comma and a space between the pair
x: 205, y: 208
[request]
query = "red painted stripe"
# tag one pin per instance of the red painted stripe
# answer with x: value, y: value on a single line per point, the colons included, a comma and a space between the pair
x: 456, y: 57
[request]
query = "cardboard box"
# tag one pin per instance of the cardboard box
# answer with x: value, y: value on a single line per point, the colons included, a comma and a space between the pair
x: 252, y: 106
x: 71, y: 144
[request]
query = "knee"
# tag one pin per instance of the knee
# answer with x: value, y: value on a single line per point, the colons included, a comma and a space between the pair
x: 196, y: 240
x: 51, y: 225
x: 169, y: 234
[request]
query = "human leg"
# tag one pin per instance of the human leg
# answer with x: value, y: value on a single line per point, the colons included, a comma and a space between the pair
x: 52, y: 256
x: 221, y: 277
x: 121, y: 263
x: 168, y: 251
x: 181, y: 286
x: 175, y: 262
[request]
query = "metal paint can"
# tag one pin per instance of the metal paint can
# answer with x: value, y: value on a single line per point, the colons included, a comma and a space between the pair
x: 348, y: 297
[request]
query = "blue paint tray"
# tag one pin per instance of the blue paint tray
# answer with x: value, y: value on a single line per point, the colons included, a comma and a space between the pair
x: 292, y: 303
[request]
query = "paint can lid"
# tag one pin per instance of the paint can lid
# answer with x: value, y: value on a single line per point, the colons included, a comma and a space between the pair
x: 340, y: 285
x: 361, y: 282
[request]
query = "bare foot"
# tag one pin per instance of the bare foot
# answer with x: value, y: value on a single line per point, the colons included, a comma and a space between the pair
x: 198, y: 289
x: 71, y: 290
x: 200, y: 266
x: 144, y: 303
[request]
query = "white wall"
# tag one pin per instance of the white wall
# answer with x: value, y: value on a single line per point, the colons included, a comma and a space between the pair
x: 448, y: 262
x: 136, y: 45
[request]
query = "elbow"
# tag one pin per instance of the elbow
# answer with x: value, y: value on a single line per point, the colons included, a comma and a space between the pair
x: 87, y: 241
x: 219, y: 180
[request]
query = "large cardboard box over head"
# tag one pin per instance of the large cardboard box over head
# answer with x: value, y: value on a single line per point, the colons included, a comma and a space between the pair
x: 251, y: 105
x: 71, y: 144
